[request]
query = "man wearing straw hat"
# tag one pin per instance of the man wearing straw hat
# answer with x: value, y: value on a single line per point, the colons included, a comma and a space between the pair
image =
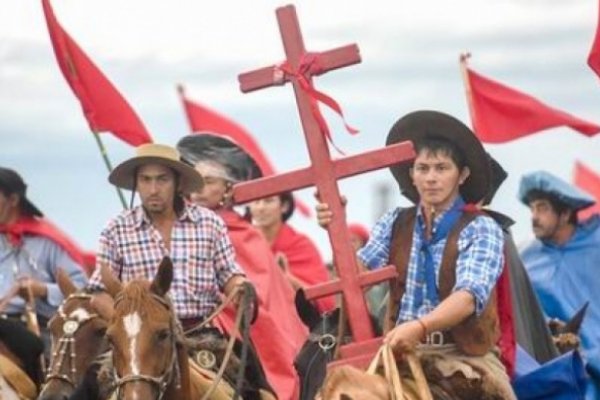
x: 449, y: 256
x: 134, y: 243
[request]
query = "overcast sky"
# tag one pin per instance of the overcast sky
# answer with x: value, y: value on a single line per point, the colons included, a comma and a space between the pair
x: 410, y: 61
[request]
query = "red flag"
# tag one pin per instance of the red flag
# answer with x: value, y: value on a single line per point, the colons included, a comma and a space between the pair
x: 103, y: 106
x: 502, y: 114
x: 202, y: 118
x: 589, y: 181
x: 594, y: 57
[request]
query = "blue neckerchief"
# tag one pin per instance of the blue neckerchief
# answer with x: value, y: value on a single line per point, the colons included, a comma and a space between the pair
x: 427, y: 271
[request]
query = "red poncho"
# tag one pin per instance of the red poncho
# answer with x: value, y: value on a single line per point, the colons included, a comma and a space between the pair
x: 43, y: 227
x: 278, y: 333
x: 304, y: 261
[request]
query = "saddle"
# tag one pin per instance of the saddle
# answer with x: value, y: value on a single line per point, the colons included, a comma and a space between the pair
x: 207, y: 350
x: 17, y: 378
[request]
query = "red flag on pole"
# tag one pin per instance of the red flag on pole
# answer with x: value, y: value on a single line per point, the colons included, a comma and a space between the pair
x: 501, y: 114
x: 594, y: 57
x: 202, y: 118
x: 586, y: 179
x: 103, y: 106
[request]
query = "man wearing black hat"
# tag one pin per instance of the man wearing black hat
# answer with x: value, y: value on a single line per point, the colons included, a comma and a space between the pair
x: 31, y: 251
x: 448, y: 255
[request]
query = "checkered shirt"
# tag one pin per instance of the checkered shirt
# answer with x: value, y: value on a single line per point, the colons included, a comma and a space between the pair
x: 479, y: 264
x: 202, y: 255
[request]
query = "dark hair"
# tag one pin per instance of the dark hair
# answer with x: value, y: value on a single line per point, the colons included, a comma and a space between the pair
x: 438, y: 145
x: 288, y: 198
x: 559, y: 207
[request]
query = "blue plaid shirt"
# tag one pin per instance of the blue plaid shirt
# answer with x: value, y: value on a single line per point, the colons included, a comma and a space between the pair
x: 479, y: 264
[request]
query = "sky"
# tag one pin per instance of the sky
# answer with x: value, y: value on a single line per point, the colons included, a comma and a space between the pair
x: 409, y: 53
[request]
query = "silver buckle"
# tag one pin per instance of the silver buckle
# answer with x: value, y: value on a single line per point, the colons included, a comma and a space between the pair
x: 435, y: 339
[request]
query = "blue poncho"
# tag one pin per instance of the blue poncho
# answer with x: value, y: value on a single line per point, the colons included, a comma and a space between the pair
x: 565, y: 277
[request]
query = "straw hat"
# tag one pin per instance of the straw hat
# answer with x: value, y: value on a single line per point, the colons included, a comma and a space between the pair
x: 123, y: 175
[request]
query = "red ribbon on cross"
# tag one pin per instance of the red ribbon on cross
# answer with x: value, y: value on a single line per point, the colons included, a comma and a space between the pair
x: 310, y: 62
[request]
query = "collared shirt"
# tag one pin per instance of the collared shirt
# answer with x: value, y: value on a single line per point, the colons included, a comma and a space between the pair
x: 39, y: 258
x: 479, y: 263
x: 201, y: 252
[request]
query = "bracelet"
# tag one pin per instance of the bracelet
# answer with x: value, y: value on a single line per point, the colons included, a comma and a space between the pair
x: 420, y: 321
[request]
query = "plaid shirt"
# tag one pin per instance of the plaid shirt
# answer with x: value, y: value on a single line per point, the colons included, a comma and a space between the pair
x: 479, y: 264
x: 202, y: 255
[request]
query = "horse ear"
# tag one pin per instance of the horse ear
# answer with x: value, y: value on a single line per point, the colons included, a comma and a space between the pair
x: 112, y: 284
x: 65, y: 284
x: 162, y: 281
x: 306, y: 310
x: 574, y: 324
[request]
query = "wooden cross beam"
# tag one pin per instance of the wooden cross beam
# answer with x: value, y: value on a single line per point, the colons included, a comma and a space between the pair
x: 323, y: 172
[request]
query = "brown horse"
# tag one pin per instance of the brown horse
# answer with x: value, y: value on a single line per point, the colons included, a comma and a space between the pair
x: 149, y: 354
x: 78, y: 339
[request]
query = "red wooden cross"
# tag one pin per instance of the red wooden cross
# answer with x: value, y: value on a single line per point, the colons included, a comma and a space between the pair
x: 324, y: 173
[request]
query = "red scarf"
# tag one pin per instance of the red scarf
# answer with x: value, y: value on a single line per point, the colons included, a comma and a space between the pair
x: 42, y: 227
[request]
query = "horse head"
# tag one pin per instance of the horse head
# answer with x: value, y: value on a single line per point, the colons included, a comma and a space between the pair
x: 145, y: 337
x: 318, y: 350
x: 78, y: 339
x: 566, y: 335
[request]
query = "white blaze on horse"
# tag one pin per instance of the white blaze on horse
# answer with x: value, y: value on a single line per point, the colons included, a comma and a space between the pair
x: 150, y: 354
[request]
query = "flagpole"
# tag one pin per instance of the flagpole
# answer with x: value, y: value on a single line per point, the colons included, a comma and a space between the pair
x: 181, y: 91
x: 465, y: 76
x: 108, y: 165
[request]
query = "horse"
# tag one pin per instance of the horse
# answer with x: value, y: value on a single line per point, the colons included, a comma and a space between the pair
x: 20, y: 368
x: 327, y: 332
x: 150, y: 353
x: 78, y: 336
x: 21, y: 350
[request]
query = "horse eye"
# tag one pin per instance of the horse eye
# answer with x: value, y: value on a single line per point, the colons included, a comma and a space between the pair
x: 162, y: 335
x: 101, y: 331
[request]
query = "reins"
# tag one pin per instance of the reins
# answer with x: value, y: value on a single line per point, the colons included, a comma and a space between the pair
x: 241, y: 325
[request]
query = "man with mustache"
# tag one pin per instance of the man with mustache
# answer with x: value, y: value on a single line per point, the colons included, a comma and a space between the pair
x: 563, y: 261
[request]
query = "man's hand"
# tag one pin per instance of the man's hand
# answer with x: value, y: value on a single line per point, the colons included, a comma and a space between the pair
x: 405, y: 337
x: 324, y: 213
x: 33, y: 287
x: 234, y: 282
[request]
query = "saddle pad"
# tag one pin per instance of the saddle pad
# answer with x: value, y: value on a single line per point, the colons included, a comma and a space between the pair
x: 203, y: 379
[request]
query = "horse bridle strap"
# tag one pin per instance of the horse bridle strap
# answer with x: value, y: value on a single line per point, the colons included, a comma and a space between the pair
x: 65, y: 350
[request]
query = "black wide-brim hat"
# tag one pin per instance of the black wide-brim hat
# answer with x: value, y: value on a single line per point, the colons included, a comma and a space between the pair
x: 209, y: 146
x: 11, y: 182
x: 424, y: 124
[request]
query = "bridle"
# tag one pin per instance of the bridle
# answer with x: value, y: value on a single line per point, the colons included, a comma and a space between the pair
x: 162, y: 381
x: 64, y: 353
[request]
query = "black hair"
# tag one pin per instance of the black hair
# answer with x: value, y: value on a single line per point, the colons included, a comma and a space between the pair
x: 288, y: 198
x: 439, y: 145
x: 558, y: 206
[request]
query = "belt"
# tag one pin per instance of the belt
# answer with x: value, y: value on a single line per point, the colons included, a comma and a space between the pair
x: 438, y: 338
x: 189, y: 323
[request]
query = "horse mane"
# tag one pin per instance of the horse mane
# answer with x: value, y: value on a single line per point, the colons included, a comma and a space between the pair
x: 136, y: 296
